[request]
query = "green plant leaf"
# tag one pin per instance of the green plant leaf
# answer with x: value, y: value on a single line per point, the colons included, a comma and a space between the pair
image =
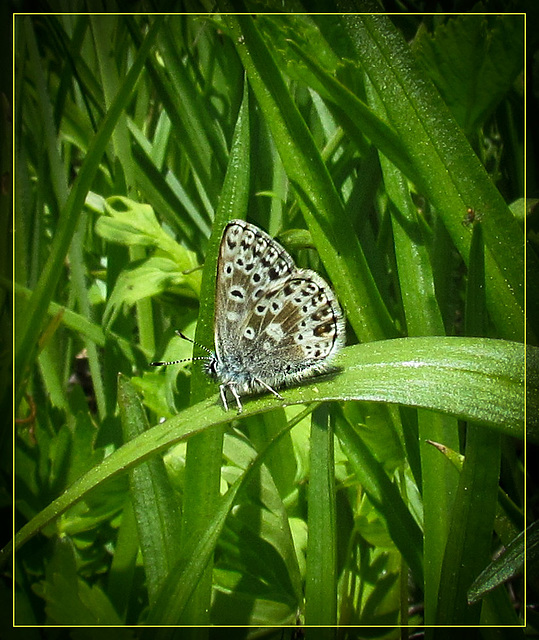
x: 154, y: 503
x: 321, y: 574
x: 508, y: 564
x: 471, y: 378
x: 321, y: 206
x: 473, y: 61
x: 404, y: 531
x: 152, y: 277
x: 43, y: 292
x: 451, y: 175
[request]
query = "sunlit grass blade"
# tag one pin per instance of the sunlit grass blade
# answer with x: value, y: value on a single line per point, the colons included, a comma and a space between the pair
x: 203, y: 458
x: 473, y: 379
x: 452, y: 176
x: 321, y: 206
x: 37, y: 305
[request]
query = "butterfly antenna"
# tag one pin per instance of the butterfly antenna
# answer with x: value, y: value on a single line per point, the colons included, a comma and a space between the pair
x: 161, y: 364
x: 179, y: 333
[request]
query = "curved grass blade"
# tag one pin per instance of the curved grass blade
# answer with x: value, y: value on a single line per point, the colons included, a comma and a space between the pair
x: 452, y: 176
x: 472, y: 378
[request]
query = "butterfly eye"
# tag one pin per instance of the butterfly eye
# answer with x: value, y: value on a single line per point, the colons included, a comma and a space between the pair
x: 211, y: 367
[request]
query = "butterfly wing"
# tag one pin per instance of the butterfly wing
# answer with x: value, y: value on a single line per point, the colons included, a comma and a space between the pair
x: 250, y: 262
x: 298, y: 327
x: 273, y: 322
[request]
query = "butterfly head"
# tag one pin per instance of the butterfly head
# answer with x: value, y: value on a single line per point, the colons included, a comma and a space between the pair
x: 211, y: 366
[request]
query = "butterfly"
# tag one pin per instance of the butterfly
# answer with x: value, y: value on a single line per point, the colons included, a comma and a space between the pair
x: 274, y: 324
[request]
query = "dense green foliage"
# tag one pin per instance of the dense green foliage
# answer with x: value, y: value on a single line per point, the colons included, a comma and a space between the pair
x: 373, y: 496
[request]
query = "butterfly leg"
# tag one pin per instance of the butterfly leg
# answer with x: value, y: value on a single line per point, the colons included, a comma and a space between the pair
x: 222, y: 391
x: 233, y: 391
x: 278, y: 395
x: 236, y: 397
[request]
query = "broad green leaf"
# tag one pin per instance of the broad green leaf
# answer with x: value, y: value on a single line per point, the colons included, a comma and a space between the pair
x: 473, y: 61
x: 69, y: 599
x: 471, y: 378
x: 152, y: 277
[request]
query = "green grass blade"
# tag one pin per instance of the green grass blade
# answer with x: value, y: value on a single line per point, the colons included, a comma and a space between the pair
x: 203, y: 459
x: 184, y: 579
x: 423, y: 317
x: 321, y: 206
x: 38, y: 303
x: 452, y: 177
x: 471, y: 378
x: 357, y: 116
x: 78, y: 323
x: 155, y: 505
x: 385, y: 496
x: 508, y: 564
x: 469, y: 543
x: 321, y: 577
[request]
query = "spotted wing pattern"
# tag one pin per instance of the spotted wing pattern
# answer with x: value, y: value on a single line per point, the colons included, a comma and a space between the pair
x: 273, y: 323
